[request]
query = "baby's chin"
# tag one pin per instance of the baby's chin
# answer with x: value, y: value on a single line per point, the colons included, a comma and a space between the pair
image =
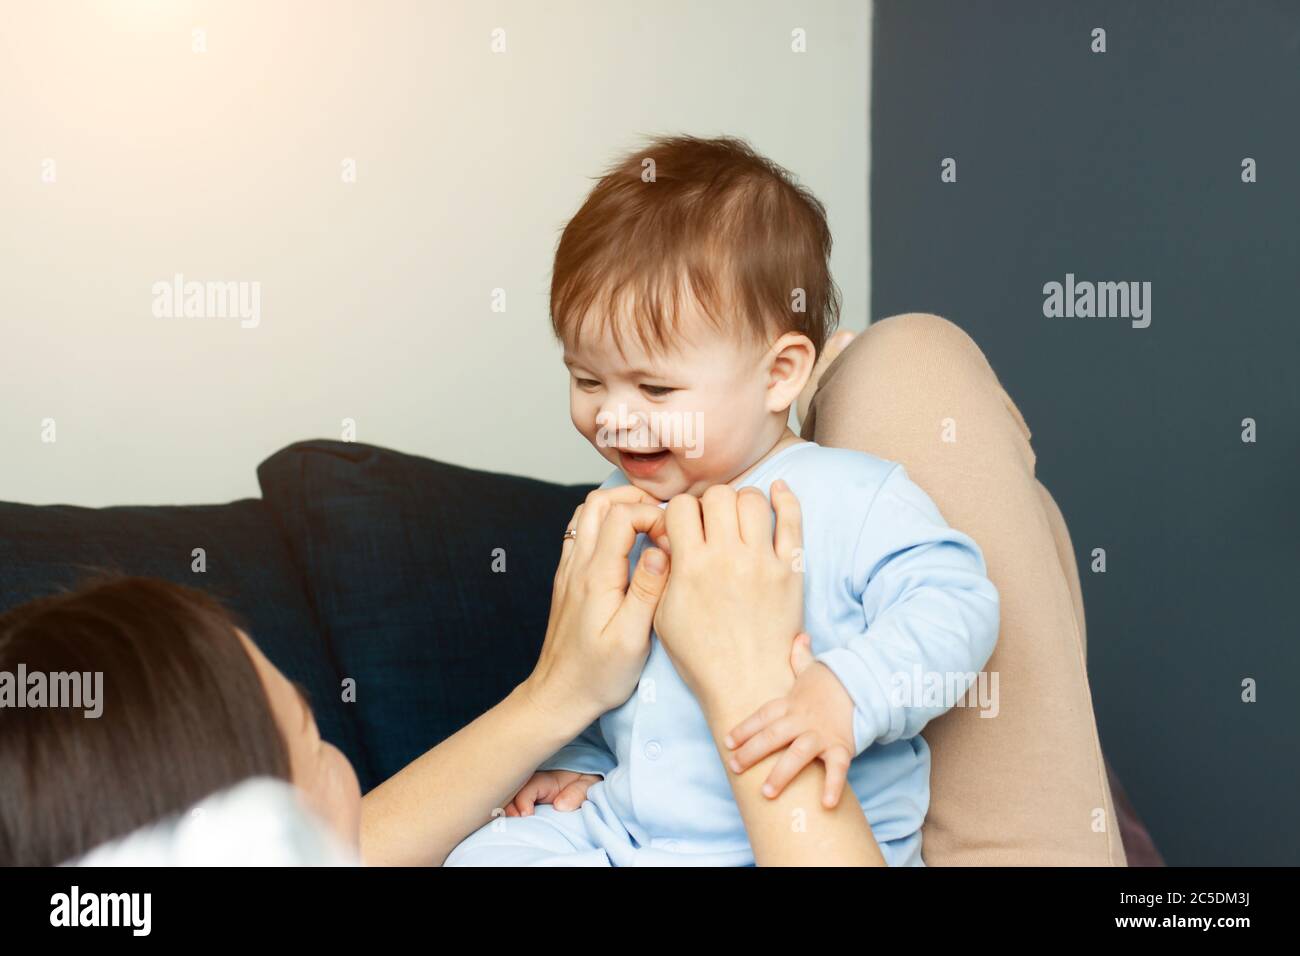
x: 669, y: 486
x: 667, y: 481
x: 661, y: 488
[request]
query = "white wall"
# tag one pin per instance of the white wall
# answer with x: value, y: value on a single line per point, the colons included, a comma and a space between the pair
x: 375, y: 296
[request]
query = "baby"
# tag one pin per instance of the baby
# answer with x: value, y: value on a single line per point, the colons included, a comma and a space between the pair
x: 692, y: 293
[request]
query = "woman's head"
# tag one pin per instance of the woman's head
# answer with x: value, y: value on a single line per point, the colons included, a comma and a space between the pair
x: 189, y: 706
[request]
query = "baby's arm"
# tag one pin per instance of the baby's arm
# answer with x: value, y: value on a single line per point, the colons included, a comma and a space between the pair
x: 931, y: 610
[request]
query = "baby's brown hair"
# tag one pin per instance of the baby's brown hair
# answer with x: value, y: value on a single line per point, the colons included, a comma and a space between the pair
x: 708, y: 218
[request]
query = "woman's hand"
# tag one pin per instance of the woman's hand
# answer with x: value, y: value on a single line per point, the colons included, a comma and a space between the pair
x: 598, y: 635
x: 734, y: 601
x: 728, y: 620
x: 596, y: 642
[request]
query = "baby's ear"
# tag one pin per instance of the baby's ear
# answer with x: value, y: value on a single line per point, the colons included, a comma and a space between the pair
x: 792, y: 358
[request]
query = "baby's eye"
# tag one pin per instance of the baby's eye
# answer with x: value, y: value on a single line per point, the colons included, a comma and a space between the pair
x: 657, y: 391
x: 587, y: 383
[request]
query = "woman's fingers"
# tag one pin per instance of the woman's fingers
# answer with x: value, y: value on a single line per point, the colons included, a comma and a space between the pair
x: 591, y: 514
x: 631, y: 621
x: 772, y: 711
x: 659, y: 535
x: 755, y: 515
x: 613, y: 539
x: 591, y: 517
x: 635, y: 616
x: 628, y: 494
x: 684, y: 522
x: 582, y: 660
x: 720, y: 520
x: 789, y: 520
x: 803, y: 751
x: 566, y: 554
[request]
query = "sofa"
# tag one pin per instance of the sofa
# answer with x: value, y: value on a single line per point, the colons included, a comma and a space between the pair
x: 423, y: 585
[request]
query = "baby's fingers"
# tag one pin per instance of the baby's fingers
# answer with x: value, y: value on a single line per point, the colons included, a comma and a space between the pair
x: 769, y: 713
x: 540, y: 789
x: 836, y: 760
x: 524, y: 802
x: 766, y: 741
x: 572, y: 796
x: 805, y: 749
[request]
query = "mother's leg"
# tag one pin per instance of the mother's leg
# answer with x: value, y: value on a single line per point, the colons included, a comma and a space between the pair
x: 1027, y: 786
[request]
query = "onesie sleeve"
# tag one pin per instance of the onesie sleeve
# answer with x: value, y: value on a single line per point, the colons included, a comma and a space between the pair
x: 586, y: 753
x: 931, y: 616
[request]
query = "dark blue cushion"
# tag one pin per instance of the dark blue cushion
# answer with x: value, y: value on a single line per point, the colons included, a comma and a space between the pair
x: 397, y: 554
x: 46, y: 548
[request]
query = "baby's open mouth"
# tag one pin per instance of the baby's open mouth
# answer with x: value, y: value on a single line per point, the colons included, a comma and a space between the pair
x: 642, y: 464
x: 644, y: 455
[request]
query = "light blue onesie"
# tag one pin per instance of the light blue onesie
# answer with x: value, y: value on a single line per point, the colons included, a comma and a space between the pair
x: 890, y: 593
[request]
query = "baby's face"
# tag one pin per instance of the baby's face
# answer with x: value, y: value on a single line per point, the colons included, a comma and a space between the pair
x: 674, y: 423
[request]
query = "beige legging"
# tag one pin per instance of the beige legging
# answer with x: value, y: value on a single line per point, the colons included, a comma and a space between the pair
x: 1027, y: 787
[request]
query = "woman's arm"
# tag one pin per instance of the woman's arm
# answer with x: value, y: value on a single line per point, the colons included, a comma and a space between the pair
x: 596, y: 643
x: 736, y: 605
x: 728, y: 619
x: 417, y: 816
x: 794, y: 828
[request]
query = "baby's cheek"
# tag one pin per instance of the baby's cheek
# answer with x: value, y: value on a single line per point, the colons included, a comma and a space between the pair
x: 580, y: 421
x: 695, y: 474
x: 711, y: 462
x: 599, y: 437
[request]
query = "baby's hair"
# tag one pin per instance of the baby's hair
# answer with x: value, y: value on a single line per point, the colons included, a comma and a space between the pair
x: 709, y: 219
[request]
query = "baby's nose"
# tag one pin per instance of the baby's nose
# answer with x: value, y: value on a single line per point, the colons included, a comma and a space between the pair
x: 617, y: 415
x: 623, y: 425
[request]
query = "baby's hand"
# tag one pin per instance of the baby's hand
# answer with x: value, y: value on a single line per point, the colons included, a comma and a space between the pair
x: 814, y: 721
x: 562, y: 789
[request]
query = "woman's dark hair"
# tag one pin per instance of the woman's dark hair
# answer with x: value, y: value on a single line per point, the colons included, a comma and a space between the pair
x: 184, y: 715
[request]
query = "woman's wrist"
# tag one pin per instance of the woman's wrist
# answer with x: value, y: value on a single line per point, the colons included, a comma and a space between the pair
x: 728, y: 699
x: 553, y: 708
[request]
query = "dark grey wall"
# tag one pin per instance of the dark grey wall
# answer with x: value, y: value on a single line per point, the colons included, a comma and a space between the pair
x: 1126, y: 165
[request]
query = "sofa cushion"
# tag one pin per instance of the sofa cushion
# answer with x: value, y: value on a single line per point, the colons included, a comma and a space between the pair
x: 431, y: 582
x: 44, y: 548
